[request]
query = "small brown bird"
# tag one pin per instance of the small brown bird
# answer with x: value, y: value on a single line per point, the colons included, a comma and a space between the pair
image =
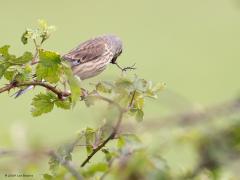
x: 90, y: 58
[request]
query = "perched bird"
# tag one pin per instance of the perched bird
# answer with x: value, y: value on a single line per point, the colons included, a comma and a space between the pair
x: 90, y: 58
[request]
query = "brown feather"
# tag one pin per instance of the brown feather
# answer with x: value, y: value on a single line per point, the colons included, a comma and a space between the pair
x: 87, y: 51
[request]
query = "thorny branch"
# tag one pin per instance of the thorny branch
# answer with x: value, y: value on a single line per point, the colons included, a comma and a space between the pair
x: 125, y: 68
x: 59, y: 93
x: 116, y: 127
x: 62, y: 94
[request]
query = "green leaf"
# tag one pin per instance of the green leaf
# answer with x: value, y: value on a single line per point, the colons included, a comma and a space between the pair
x: 48, y: 67
x: 74, y: 85
x: 3, y: 68
x: 47, y: 177
x: 95, y: 168
x: 124, y: 83
x: 24, y: 37
x: 9, y: 75
x: 138, y: 101
x: 42, y: 103
x: 89, y: 138
x: 121, y: 142
x: 4, y: 51
x: 25, y: 58
x: 45, y: 30
x: 109, y: 155
x: 64, y: 104
x: 53, y: 165
x: 140, y: 84
x: 158, y: 87
x: 104, y: 87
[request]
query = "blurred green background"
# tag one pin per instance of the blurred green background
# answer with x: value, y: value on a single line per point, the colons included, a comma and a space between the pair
x: 192, y: 46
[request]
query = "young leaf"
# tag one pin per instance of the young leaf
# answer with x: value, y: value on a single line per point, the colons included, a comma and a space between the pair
x: 89, y: 138
x: 4, y: 51
x: 95, y: 168
x: 24, y: 37
x: 53, y: 165
x: 158, y: 87
x: 140, y: 84
x: 3, y: 68
x: 121, y: 142
x: 48, y: 177
x: 9, y: 75
x: 48, y: 67
x: 25, y: 58
x: 103, y: 87
x: 42, y: 103
x: 64, y: 104
x: 124, y: 83
x: 74, y: 84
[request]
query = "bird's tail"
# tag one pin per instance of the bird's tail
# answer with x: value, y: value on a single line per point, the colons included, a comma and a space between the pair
x: 22, y: 91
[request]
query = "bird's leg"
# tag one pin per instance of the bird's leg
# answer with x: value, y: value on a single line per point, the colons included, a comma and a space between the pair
x: 125, y: 68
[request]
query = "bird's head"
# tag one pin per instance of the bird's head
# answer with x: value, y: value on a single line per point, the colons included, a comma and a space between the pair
x: 116, y: 46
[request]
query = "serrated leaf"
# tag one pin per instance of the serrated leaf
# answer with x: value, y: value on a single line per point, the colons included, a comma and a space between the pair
x: 124, y: 83
x: 4, y: 50
x: 95, y: 168
x: 45, y: 30
x: 89, y: 138
x: 53, y: 165
x: 42, y: 103
x: 3, y: 68
x: 9, y: 75
x: 48, y: 67
x: 25, y: 58
x: 103, y: 87
x: 74, y: 85
x: 64, y: 104
x: 138, y: 101
x: 24, y: 37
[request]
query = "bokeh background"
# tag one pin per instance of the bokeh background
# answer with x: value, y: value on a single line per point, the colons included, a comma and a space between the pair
x: 192, y: 46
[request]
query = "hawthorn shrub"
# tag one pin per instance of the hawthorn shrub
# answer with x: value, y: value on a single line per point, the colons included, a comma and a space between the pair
x: 126, y: 157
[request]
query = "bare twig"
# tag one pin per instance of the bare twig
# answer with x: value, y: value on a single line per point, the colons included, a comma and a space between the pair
x: 125, y: 68
x: 115, y: 129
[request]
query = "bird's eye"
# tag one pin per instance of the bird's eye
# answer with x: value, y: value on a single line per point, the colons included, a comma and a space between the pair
x: 78, y: 61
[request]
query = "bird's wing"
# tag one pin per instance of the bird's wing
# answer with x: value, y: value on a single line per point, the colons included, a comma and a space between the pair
x: 87, y: 51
